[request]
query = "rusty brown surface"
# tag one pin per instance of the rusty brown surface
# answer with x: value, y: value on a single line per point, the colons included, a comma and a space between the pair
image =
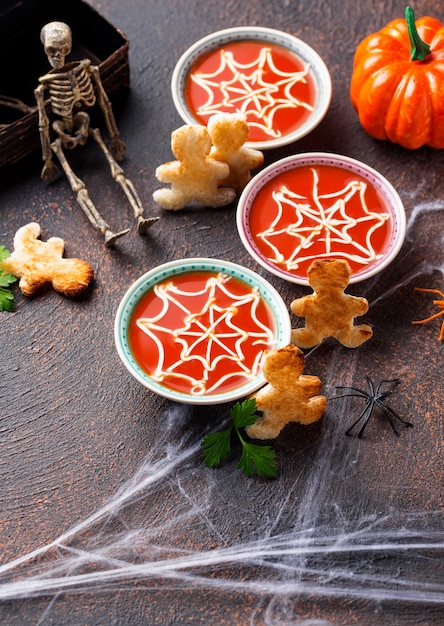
x: 75, y: 427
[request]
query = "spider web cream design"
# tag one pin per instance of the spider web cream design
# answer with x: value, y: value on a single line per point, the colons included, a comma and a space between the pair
x: 215, y: 337
x: 322, y: 225
x: 245, y: 90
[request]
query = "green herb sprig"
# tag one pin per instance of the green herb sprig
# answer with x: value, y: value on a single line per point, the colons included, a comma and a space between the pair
x: 217, y: 446
x: 6, y: 295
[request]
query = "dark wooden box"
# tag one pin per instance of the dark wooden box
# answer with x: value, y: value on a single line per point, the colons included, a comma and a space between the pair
x: 24, y: 60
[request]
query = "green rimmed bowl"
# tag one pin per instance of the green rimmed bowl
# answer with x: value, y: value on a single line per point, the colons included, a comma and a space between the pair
x: 211, y: 294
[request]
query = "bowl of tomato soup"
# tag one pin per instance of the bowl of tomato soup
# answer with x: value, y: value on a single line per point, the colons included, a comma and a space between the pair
x: 194, y: 330
x: 276, y: 81
x: 318, y: 206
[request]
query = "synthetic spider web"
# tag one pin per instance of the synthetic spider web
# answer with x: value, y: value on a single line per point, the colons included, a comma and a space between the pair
x: 146, y: 532
x: 244, y: 89
x: 209, y: 345
x: 322, y: 225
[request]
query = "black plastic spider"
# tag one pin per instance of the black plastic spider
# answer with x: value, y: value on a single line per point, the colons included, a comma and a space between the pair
x: 373, y: 398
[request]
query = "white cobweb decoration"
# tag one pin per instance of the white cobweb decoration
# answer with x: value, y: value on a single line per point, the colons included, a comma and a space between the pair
x: 341, y: 558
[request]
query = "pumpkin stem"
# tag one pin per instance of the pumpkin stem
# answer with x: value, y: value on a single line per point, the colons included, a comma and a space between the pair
x: 419, y: 49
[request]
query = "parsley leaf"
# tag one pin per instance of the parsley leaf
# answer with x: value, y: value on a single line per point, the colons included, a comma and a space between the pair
x: 244, y: 414
x: 6, y: 300
x: 6, y: 295
x: 4, y: 253
x: 263, y: 458
x: 217, y: 446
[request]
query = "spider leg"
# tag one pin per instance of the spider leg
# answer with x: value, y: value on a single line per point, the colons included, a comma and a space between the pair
x: 361, y: 415
x: 351, y: 388
x: 359, y: 393
x: 370, y: 384
x: 384, y: 394
x: 440, y: 293
x: 384, y: 408
x: 428, y: 319
x: 349, y: 395
x: 388, y: 412
x: 370, y: 407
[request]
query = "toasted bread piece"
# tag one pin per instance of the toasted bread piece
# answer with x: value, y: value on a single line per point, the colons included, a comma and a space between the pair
x: 194, y: 177
x: 329, y: 312
x: 38, y: 263
x: 229, y: 132
x: 289, y: 395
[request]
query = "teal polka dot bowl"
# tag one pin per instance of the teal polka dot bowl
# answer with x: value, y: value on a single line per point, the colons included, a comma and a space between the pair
x: 194, y: 330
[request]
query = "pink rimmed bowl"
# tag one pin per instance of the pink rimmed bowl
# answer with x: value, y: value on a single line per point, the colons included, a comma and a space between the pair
x: 319, y: 205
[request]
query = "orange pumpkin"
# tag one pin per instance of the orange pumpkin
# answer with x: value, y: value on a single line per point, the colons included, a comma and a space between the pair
x: 397, y: 85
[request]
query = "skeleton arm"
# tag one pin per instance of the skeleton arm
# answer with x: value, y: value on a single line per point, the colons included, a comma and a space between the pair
x: 50, y: 171
x: 43, y: 123
x: 117, y: 147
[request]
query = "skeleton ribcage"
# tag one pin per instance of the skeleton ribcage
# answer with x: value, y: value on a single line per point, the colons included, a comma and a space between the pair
x: 69, y: 89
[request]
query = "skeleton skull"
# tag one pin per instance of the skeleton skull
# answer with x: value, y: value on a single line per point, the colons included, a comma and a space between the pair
x: 57, y: 40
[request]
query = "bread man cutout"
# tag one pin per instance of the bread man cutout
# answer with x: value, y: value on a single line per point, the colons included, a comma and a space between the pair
x: 229, y: 132
x: 194, y: 177
x: 38, y: 263
x: 329, y: 312
x: 289, y: 395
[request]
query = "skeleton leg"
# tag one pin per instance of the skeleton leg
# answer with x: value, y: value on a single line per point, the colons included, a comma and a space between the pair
x: 83, y: 199
x: 143, y: 223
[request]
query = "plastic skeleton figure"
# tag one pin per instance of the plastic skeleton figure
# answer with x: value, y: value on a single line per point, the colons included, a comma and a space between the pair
x: 77, y: 84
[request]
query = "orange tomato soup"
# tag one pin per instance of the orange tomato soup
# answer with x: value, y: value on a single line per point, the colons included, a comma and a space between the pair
x: 269, y: 85
x: 319, y: 211
x: 201, y: 332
